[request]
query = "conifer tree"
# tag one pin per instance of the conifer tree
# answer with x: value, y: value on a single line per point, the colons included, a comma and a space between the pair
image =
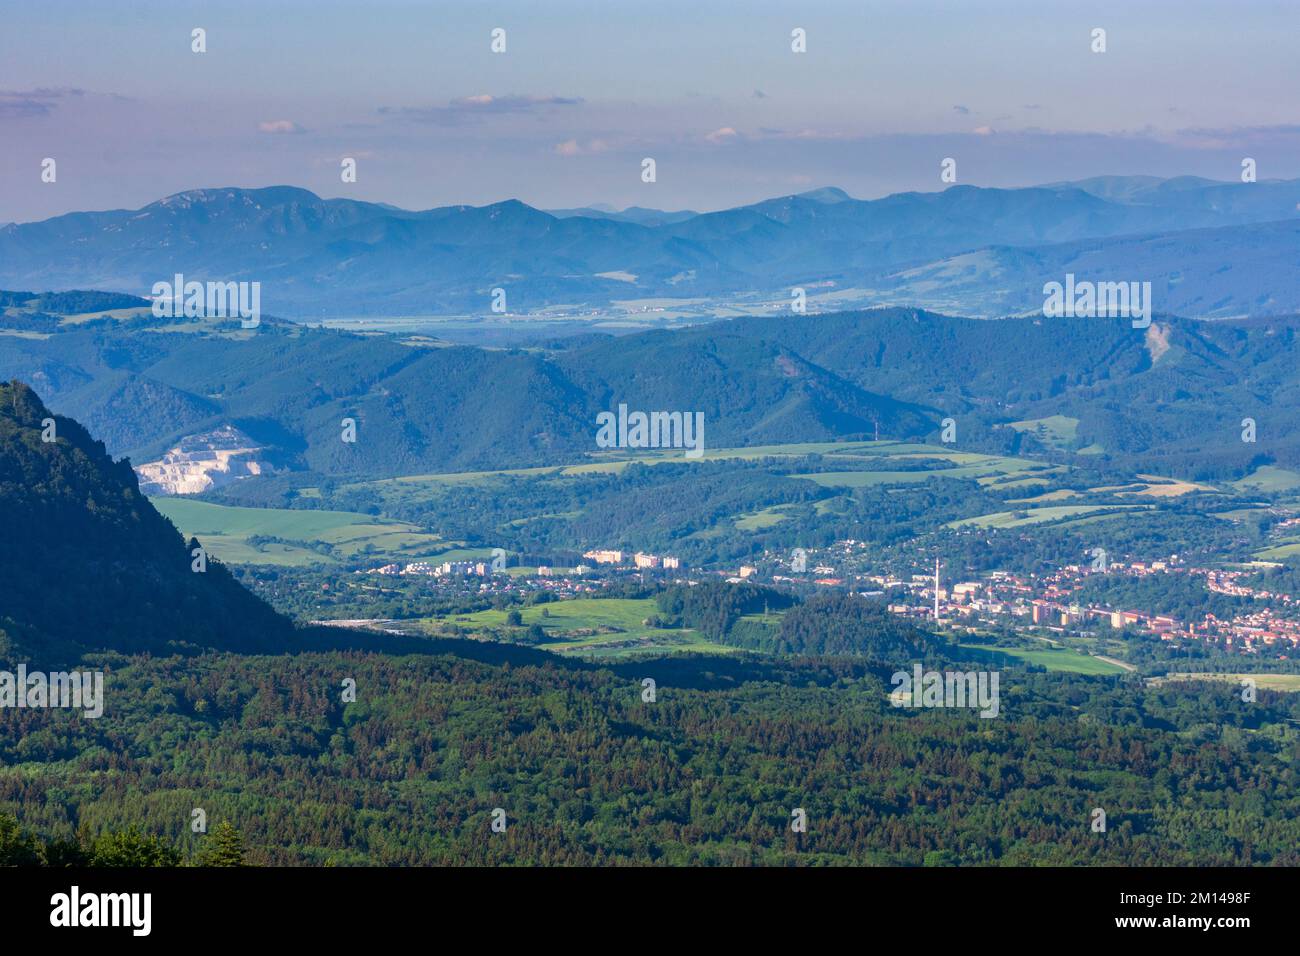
x: 223, y: 847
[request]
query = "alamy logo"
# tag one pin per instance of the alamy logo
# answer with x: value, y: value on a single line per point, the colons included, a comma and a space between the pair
x: 946, y: 689
x: 1098, y: 300
x: 212, y: 300
x: 651, y: 430
x: 81, y: 690
x: 134, y: 910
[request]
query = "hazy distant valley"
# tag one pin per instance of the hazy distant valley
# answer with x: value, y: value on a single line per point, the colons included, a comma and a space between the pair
x: 1106, y: 540
x: 874, y: 485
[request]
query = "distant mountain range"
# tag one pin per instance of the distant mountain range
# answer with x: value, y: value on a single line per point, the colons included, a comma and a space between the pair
x: 1210, y: 249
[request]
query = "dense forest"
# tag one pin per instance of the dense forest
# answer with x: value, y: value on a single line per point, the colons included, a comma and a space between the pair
x: 824, y: 624
x: 588, y: 771
x: 114, y: 848
x: 1174, y: 405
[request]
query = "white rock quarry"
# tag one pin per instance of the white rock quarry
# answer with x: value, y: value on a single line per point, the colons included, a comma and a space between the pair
x: 210, y: 460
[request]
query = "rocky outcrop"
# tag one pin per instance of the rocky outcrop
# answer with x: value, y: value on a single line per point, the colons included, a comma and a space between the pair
x: 200, y: 462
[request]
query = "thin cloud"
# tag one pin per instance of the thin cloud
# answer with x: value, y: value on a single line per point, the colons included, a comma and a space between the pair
x: 38, y: 102
x: 480, y: 105
x: 1282, y: 136
x: 280, y: 127
x: 571, y: 147
x: 1280, y: 129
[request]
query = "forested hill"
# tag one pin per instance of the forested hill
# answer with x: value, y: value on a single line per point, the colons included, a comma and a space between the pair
x: 1168, y: 399
x: 86, y: 563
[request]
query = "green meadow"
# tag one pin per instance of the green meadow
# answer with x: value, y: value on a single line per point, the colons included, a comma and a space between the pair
x: 1057, y: 431
x: 309, y: 536
x: 1028, y: 516
x: 1269, y: 479
x: 1053, y: 658
x: 1282, y: 682
x: 759, y: 520
x: 592, y: 627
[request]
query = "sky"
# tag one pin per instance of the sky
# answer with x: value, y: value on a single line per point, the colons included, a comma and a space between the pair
x: 585, y: 91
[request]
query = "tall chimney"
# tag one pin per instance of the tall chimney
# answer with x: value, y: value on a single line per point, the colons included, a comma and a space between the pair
x: 936, y: 589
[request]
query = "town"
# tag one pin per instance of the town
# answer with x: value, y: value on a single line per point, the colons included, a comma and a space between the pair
x: 1044, y: 603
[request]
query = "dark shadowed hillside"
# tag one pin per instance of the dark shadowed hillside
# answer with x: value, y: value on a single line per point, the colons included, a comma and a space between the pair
x: 86, y: 563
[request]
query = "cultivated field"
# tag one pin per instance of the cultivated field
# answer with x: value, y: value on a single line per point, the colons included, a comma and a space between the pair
x: 308, y: 536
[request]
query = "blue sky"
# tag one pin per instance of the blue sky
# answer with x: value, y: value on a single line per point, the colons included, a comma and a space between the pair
x: 584, y: 91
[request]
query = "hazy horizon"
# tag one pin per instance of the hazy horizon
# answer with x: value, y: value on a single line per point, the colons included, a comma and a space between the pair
x: 584, y: 92
x: 598, y: 205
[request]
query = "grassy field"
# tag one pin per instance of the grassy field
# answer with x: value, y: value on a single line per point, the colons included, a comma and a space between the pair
x: 408, y: 487
x: 856, y: 455
x: 1269, y: 479
x: 1153, y: 486
x: 340, y: 535
x: 593, y: 627
x: 1057, y: 431
x: 131, y: 312
x: 969, y: 466
x: 1028, y: 516
x: 1283, y: 682
x: 1061, y: 494
x: 1279, y: 552
x: 1053, y: 658
x: 1240, y: 514
x: 1159, y: 487
x: 759, y: 520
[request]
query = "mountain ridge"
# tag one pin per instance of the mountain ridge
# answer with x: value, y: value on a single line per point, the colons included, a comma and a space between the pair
x: 1170, y: 397
x: 341, y: 256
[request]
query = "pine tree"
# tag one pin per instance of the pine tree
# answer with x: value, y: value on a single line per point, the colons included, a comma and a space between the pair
x: 17, y: 847
x: 130, y: 847
x: 223, y: 847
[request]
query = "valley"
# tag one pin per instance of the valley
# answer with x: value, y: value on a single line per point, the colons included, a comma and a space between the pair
x: 488, y: 572
x: 537, y: 519
x: 537, y: 437
x: 1107, y: 543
